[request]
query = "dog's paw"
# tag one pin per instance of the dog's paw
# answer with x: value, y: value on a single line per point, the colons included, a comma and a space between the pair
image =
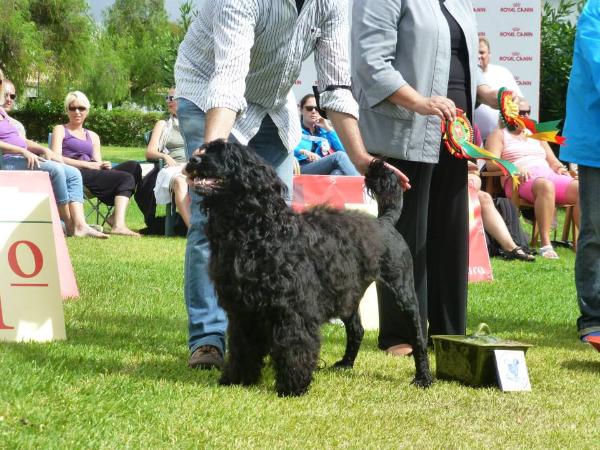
x: 342, y: 364
x: 291, y: 392
x: 423, y: 381
x: 226, y: 381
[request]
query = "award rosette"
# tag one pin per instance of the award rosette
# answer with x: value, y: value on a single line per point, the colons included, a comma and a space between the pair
x: 457, y: 136
x: 509, y: 115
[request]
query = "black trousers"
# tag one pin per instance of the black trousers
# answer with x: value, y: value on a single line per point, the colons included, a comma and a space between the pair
x: 107, y: 184
x: 435, y: 224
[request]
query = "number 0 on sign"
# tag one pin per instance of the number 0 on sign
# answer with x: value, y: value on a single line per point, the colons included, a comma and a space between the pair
x: 30, y: 301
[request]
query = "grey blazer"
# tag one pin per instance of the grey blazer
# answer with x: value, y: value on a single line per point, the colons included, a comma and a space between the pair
x: 399, y: 42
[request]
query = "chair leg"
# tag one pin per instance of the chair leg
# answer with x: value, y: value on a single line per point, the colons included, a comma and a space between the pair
x: 96, y: 212
x: 171, y: 209
x: 569, y: 227
x: 568, y: 222
x: 535, y: 232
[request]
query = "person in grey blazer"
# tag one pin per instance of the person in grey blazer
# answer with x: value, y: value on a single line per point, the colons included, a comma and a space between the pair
x: 414, y: 62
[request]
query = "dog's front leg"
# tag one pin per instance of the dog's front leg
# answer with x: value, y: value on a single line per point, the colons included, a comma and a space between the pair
x: 354, y: 336
x: 296, y: 344
x: 248, y: 345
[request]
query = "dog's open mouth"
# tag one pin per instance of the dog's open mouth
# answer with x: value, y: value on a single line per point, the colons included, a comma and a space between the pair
x: 206, y: 186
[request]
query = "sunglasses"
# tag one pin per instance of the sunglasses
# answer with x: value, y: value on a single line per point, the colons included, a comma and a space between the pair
x: 522, y: 112
x: 77, y: 108
x: 11, y: 96
x: 169, y: 98
x: 310, y: 108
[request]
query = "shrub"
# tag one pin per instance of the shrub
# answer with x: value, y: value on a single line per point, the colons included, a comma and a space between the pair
x: 117, y: 127
x: 558, y: 37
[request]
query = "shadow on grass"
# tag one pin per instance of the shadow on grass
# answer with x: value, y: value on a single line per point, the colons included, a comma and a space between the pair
x: 112, y: 344
x: 540, y: 333
x: 141, y: 347
x: 582, y: 366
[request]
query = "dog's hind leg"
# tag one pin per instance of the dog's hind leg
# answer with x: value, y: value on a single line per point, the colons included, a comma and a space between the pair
x: 403, y: 288
x: 354, y: 336
x: 296, y: 344
x: 248, y: 346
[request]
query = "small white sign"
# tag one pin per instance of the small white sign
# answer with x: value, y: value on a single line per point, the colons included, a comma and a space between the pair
x: 512, y: 370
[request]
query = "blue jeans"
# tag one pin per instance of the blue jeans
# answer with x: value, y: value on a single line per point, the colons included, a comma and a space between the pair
x: 587, y: 261
x: 207, y: 322
x: 337, y: 163
x: 66, y: 180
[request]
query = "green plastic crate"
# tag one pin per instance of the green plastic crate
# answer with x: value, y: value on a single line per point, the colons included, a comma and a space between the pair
x: 470, y: 359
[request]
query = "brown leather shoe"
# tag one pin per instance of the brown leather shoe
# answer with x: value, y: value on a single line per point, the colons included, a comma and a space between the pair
x: 206, y: 357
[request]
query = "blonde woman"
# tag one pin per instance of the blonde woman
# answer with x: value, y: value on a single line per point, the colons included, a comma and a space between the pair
x: 80, y: 148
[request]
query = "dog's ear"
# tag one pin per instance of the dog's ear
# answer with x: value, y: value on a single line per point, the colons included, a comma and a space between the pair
x: 250, y: 171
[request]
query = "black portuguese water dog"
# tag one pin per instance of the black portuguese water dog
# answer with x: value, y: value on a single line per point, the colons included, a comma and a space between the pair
x: 280, y: 275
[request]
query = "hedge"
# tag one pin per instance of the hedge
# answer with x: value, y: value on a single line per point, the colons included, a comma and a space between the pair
x: 124, y: 128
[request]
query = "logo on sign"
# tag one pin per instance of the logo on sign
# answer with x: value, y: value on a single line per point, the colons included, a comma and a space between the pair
x: 521, y: 82
x: 515, y: 57
x: 479, y: 9
x: 516, y: 8
x: 516, y: 32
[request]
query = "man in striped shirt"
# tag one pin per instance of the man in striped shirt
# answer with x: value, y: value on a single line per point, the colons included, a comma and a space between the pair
x: 234, y: 74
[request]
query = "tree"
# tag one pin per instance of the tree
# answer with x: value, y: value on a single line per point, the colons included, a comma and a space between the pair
x: 140, y: 34
x: 66, y: 31
x: 558, y: 37
x: 106, y: 78
x: 21, y: 51
x: 187, y: 13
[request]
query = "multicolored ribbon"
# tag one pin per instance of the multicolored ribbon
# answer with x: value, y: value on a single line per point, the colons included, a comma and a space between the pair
x: 457, y: 136
x: 509, y: 114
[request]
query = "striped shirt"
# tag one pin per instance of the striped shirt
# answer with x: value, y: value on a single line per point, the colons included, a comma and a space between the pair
x: 245, y: 55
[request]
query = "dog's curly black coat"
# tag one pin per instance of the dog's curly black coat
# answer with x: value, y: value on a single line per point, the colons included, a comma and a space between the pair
x: 280, y: 275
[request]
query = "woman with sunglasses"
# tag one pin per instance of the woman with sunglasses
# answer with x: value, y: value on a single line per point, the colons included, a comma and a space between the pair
x: 166, y: 143
x: 545, y: 181
x: 320, y: 151
x: 80, y: 148
x: 20, y: 153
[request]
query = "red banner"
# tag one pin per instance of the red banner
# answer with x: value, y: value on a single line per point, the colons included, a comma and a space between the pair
x: 479, y: 259
x: 349, y: 192
x: 337, y: 191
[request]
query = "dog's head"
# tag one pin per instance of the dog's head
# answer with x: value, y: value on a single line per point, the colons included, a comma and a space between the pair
x: 222, y: 168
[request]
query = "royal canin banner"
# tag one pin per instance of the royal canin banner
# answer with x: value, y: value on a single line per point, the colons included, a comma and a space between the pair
x: 513, y: 30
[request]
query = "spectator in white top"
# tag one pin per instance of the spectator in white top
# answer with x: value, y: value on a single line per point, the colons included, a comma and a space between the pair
x: 496, y: 77
x: 234, y: 73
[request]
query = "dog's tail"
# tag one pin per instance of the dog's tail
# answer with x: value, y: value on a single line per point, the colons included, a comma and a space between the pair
x: 383, y: 184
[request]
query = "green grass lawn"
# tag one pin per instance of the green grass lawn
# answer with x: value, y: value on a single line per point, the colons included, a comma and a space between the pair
x: 120, y: 154
x: 121, y: 380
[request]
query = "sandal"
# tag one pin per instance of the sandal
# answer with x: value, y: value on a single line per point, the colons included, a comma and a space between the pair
x: 520, y: 254
x: 548, y: 252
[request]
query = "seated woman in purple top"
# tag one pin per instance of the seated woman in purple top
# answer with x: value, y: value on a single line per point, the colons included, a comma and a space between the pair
x: 81, y: 148
x: 19, y: 153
